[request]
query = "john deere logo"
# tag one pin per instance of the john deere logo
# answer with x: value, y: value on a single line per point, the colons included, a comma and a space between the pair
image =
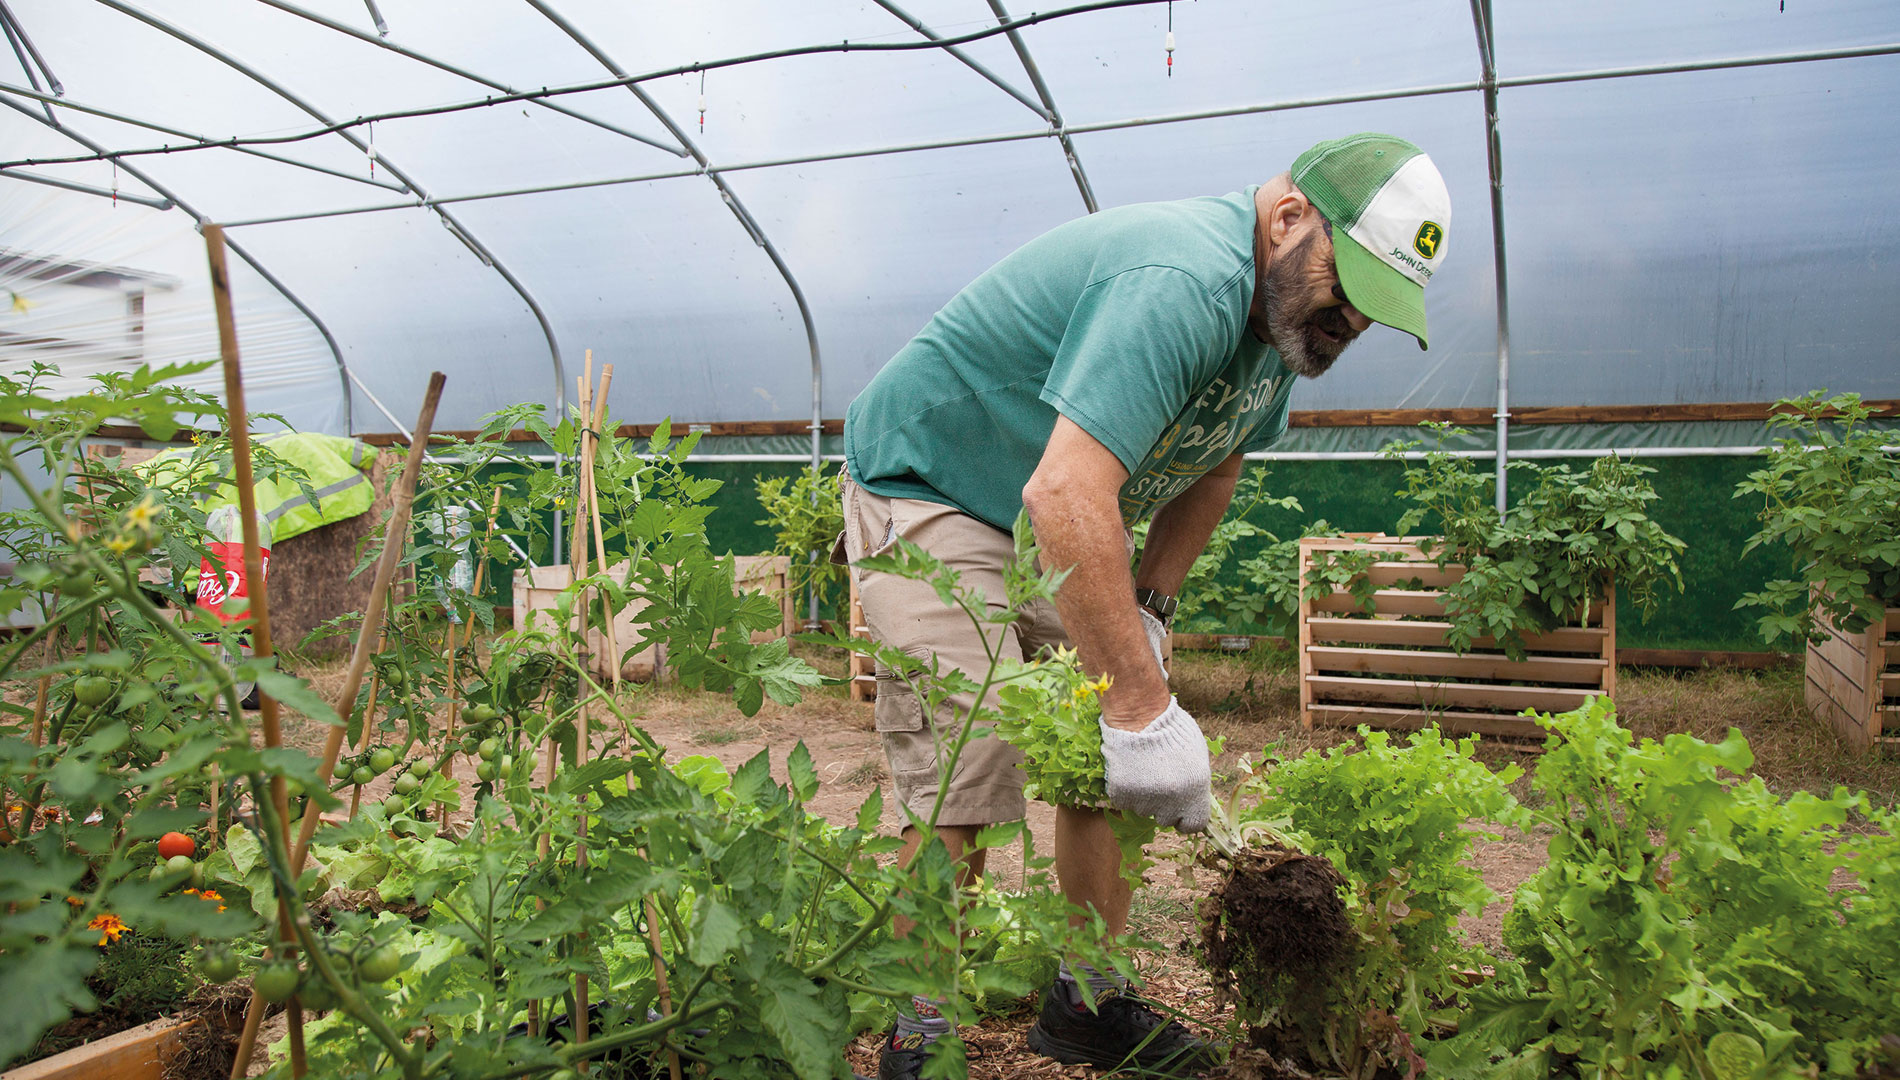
x: 1426, y: 242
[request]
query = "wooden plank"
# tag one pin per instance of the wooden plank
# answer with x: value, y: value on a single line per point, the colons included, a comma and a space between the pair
x: 1417, y: 602
x: 1428, y: 575
x: 1840, y: 688
x: 1890, y: 684
x: 1828, y: 711
x: 1432, y: 633
x: 1845, y: 651
x: 1568, y: 670
x: 1893, y: 622
x: 139, y: 1053
x: 1303, y: 418
x: 1425, y: 693
x: 1510, y: 727
x: 1386, y: 602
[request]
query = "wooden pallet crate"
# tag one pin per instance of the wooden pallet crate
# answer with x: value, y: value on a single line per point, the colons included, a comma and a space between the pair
x: 536, y: 587
x: 771, y: 575
x: 535, y: 590
x: 1854, y: 682
x: 1395, y: 669
x: 863, y: 668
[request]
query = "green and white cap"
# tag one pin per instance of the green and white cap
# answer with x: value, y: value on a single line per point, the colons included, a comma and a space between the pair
x: 1390, y: 213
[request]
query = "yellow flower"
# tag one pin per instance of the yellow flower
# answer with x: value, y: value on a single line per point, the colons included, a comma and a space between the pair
x: 109, y: 927
x: 120, y: 544
x: 145, y: 514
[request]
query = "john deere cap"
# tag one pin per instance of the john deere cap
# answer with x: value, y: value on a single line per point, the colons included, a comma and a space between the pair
x: 1390, y: 213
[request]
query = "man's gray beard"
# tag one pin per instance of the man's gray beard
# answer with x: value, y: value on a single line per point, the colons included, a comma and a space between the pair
x: 1288, y: 328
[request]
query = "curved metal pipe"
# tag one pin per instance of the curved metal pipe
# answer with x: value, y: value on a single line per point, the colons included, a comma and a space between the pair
x: 732, y: 202
x: 1494, y: 161
x: 381, y: 43
x: 88, y: 189
x: 343, y: 368
x: 547, y: 329
x: 969, y: 61
x: 1049, y: 102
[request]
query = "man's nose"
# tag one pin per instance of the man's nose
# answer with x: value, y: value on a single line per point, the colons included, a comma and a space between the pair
x: 1355, y: 319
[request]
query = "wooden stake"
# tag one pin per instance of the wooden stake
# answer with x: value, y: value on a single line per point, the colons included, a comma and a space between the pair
x: 372, y: 628
x: 238, y: 422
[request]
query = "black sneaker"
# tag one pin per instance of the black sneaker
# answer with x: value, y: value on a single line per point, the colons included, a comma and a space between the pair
x: 1124, y: 1031
x: 901, y: 1059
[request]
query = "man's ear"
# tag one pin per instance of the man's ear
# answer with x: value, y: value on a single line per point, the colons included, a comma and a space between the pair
x: 1286, y: 212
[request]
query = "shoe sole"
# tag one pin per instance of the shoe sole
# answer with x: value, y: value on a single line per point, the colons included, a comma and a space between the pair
x: 1069, y: 1053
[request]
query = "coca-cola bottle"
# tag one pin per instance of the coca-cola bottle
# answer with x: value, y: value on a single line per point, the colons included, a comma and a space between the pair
x: 221, y: 578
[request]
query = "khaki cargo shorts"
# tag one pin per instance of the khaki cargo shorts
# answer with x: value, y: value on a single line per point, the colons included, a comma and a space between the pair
x: 987, y: 784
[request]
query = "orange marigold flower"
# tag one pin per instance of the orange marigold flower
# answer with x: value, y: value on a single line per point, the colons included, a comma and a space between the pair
x: 109, y: 926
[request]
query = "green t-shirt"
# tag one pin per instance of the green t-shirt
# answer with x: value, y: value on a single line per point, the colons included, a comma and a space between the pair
x: 1131, y: 322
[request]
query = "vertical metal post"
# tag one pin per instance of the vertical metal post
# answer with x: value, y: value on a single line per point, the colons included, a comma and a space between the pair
x: 1494, y: 159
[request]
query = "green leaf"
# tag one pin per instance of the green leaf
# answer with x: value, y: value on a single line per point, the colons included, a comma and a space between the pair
x: 804, y: 775
x: 44, y: 985
x: 807, y: 1031
x: 718, y: 933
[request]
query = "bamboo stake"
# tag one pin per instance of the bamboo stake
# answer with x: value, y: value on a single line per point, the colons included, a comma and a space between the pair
x: 372, y: 628
x: 239, y: 423
x: 590, y: 414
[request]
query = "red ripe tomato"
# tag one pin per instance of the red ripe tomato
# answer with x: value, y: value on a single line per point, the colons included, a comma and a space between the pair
x: 176, y: 843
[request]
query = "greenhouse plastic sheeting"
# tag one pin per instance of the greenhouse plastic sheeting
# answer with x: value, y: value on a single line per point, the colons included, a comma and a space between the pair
x: 1695, y: 236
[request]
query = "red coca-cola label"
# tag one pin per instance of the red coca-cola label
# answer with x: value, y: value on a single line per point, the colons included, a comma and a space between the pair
x: 225, y: 580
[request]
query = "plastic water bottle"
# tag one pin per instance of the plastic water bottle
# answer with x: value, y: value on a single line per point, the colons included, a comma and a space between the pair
x: 221, y: 577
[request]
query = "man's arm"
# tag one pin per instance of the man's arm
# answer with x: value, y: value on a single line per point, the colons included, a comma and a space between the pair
x: 1074, y: 502
x: 1181, y: 528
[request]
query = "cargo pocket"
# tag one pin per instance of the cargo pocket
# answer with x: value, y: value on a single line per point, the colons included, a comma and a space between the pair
x: 908, y: 741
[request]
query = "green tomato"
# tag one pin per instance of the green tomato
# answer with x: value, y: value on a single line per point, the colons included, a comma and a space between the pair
x: 217, y: 964
x: 93, y: 689
x: 276, y: 981
x: 419, y: 768
x: 380, y: 965
x: 361, y: 775
x: 179, y: 864
x: 524, y: 768
x: 395, y: 677
x: 293, y: 788
x: 407, y: 784
x: 505, y: 764
x: 316, y: 995
x: 486, y: 771
x: 381, y: 759
x: 480, y: 713
x: 394, y: 805
x: 488, y: 749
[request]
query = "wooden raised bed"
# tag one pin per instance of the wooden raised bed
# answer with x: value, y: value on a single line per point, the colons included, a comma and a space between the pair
x: 1394, y: 669
x: 139, y: 1053
x: 1854, y: 682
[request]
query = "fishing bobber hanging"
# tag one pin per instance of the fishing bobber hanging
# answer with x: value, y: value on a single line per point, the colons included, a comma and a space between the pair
x: 702, y: 102
x: 371, y: 149
x: 1170, y: 54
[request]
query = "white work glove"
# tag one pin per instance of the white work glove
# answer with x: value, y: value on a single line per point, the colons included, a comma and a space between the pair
x: 1161, y: 771
x: 1157, y: 635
